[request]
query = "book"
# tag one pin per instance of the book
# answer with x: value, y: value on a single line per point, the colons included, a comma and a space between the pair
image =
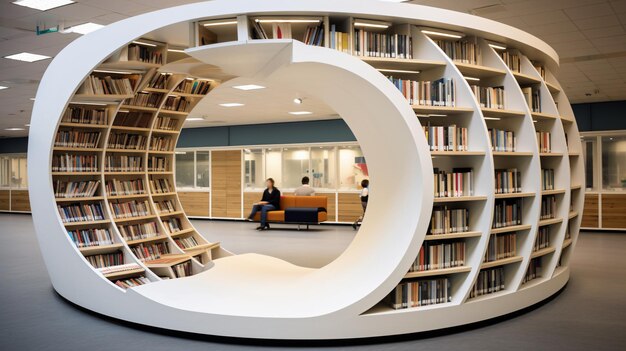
x: 85, y: 115
x: 186, y: 243
x: 446, y: 138
x: 543, y: 239
x: 457, y: 183
x: 489, y: 281
x: 144, y: 99
x: 130, y: 209
x: 132, y: 282
x: 138, y: 231
x: 123, y: 84
x: 166, y: 123
x: 339, y: 40
x: 281, y: 30
x: 416, y: 293
x: 463, y: 51
x: 441, y: 92
x: 158, y: 164
x: 106, y: 260
x: 547, y: 179
x: 501, y: 246
x: 160, y: 81
x: 533, y: 271
x: 502, y: 140
x: 544, y: 141
x: 120, y: 187
x: 314, y: 35
x: 439, y: 255
x: 166, y: 206
x: 142, y: 53
x: 172, y: 225
x: 127, y: 141
x: 194, y: 86
x: 73, y: 213
x: 257, y: 30
x: 79, y: 189
x: 508, y: 181
x: 182, y: 270
x: 123, y: 163
x: 507, y: 212
x: 74, y: 163
x: 548, y: 207
x: 512, y: 60
x: 371, y: 44
x: 77, y: 138
x: 177, y: 103
x: 151, y: 251
x: 162, y: 143
x: 489, y: 97
x: 135, y: 119
x: 91, y: 237
x: 160, y: 186
x: 446, y: 220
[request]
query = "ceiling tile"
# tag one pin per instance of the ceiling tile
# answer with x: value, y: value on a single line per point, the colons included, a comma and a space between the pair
x: 585, y: 12
x: 597, y: 22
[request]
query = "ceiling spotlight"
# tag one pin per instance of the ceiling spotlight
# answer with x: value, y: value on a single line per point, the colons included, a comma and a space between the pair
x: 300, y: 113
x: 26, y: 57
x: 248, y: 87
x: 297, y: 101
x: 42, y: 5
x: 231, y: 104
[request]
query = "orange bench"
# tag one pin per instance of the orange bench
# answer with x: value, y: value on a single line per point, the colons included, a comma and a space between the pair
x: 291, y: 201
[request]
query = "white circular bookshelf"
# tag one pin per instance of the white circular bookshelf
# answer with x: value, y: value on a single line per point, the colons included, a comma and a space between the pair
x: 489, y: 232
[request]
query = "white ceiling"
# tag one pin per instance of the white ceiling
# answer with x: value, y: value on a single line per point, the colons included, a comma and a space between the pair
x: 589, y: 35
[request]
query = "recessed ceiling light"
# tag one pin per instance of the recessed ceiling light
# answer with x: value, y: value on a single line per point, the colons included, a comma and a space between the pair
x: 83, y: 28
x: 231, y: 104
x: 42, y: 5
x: 220, y: 23
x: 492, y: 118
x: 297, y: 101
x: 299, y: 113
x: 2, y: 87
x: 27, y: 57
x: 194, y: 119
x: 441, y: 34
x: 371, y: 25
x: 248, y: 87
x: 13, y: 129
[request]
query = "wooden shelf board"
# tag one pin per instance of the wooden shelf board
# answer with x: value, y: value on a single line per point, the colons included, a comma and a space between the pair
x: 544, y: 116
x: 94, y: 250
x: 83, y: 125
x: 514, y: 153
x: 74, y: 173
x: 155, y: 90
x: 134, y: 196
x: 566, y: 119
x: 160, y: 172
x: 131, y: 219
x: 100, y: 98
x: 514, y: 195
x: 545, y: 222
x: 511, y: 228
x: 147, y: 240
x: 130, y: 65
x: 202, y: 247
x: 171, y: 214
x: 78, y: 224
x: 182, y: 232
x: 163, y: 194
x: 494, y: 112
x: 452, y: 236
x: 402, y: 64
x: 171, y: 112
x: 572, y: 214
x: 477, y: 71
x: 189, y: 95
x: 167, y: 261
x: 553, y: 88
x: 542, y: 252
x: 138, y: 108
x: 433, y: 272
x: 574, y: 154
x: 551, y: 154
x: 459, y: 199
x: 164, y: 131
x: 524, y: 79
x: 126, y: 273
x: 457, y: 153
x: 567, y: 242
x: 124, y: 173
x: 77, y: 149
x: 443, y: 110
x: 78, y: 199
x: 576, y: 187
x: 158, y: 152
x: 501, y: 262
x: 127, y: 151
x: 553, y: 192
x: 133, y: 129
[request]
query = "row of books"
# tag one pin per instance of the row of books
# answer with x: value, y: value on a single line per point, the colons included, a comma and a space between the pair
x: 446, y: 220
x: 145, y: 100
x: 339, y: 40
x: 457, y: 183
x: 508, y: 181
x: 166, y: 123
x: 176, y: 103
x: 138, y: 231
x: 182, y: 269
x: 144, y: 54
x: 512, y: 60
x: 544, y: 141
x: 126, y: 141
x: 186, y: 243
x: 501, y: 246
x: 507, y: 212
x: 132, y: 282
x: 120, y: 187
x: 119, y: 268
x: 165, y: 206
x: 446, y: 138
x: 441, y: 92
x: 136, y: 119
x: 77, y: 138
x: 194, y: 86
x: 502, y: 140
x: 106, y: 260
x: 439, y: 256
x: 80, y: 212
x: 123, y: 163
x: 74, y: 163
x: 70, y: 189
x: 158, y: 164
x: 83, y: 115
x: 539, y: 68
x: 370, y: 44
x: 543, y: 239
x: 462, y: 51
x: 533, y: 271
x: 160, y: 81
x: 314, y: 35
x: 548, y: 207
x: 532, y: 95
x: 489, y: 281
x: 153, y: 251
x: 90, y: 237
x: 160, y: 186
x: 107, y: 85
x: 547, y: 179
x: 418, y: 293
x: 173, y: 225
x: 489, y: 97
x: 130, y: 209
x: 161, y: 143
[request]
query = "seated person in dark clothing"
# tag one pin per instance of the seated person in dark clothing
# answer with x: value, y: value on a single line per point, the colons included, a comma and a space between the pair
x: 269, y: 202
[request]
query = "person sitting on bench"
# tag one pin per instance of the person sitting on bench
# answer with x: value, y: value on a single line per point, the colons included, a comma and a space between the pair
x: 269, y: 202
x: 304, y: 189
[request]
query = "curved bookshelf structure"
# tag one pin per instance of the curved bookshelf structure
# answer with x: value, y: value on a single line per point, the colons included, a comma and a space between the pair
x: 489, y: 232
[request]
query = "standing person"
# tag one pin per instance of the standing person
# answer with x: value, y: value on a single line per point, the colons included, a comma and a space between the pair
x: 365, y: 194
x: 269, y: 202
x: 304, y: 189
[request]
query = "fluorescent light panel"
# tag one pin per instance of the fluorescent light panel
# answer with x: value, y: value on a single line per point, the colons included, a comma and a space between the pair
x: 194, y: 119
x: 83, y: 28
x: 112, y: 72
x: 176, y: 50
x: 497, y: 46
x: 371, y: 25
x: 397, y: 71
x: 472, y: 78
x: 492, y: 118
x: 13, y: 129
x: 43, y: 5
x: 287, y: 21
x: 27, y: 57
x: 248, y: 87
x: 143, y: 43
x: 441, y: 34
x: 300, y: 113
x: 2, y: 87
x: 223, y: 23
x: 231, y: 104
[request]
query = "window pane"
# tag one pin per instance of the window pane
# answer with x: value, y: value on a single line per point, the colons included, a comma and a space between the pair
x: 614, y: 162
x: 273, y: 164
x: 323, y: 167
x: 184, y: 169
x: 18, y: 172
x: 202, y: 169
x: 352, y: 167
x: 5, y: 172
x: 589, y: 152
x: 253, y: 169
x: 295, y: 166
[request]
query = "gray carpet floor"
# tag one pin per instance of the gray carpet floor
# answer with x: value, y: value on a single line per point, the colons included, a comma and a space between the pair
x: 590, y: 314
